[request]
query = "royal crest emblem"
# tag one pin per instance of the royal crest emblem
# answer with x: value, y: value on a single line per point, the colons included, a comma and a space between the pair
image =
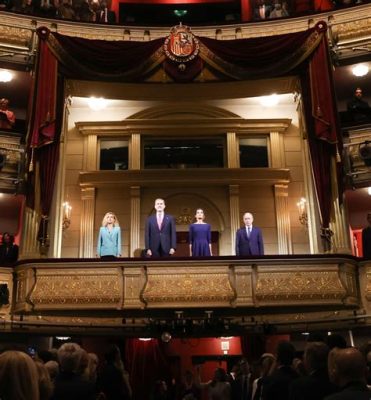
x: 181, y: 45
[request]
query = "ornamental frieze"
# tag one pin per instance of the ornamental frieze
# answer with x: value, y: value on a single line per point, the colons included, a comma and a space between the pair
x: 300, y: 286
x: 188, y: 289
x: 78, y: 289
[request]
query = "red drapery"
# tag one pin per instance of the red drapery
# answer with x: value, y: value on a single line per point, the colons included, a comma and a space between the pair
x: 146, y: 363
x: 302, y: 53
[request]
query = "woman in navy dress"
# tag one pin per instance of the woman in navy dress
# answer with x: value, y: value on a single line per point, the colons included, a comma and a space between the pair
x: 109, y: 239
x: 200, y: 236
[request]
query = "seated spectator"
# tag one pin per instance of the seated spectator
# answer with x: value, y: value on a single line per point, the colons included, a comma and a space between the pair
x: 7, y: 117
x: 18, y: 377
x: 279, y: 10
x: 86, y: 13
x: 105, y: 15
x: 347, y: 370
x: 5, y: 5
x: 8, y: 250
x: 358, y: 109
x: 65, y: 11
x: 262, y: 10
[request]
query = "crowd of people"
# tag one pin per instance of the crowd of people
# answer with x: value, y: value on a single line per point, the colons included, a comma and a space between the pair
x: 75, y: 10
x: 69, y: 373
x: 327, y: 370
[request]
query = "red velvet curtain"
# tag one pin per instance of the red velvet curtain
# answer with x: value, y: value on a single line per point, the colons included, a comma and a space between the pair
x: 146, y: 363
x: 302, y: 53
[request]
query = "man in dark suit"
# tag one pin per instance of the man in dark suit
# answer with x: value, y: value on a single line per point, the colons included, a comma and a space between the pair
x: 249, y: 239
x: 316, y: 385
x: 160, y: 233
x: 276, y: 386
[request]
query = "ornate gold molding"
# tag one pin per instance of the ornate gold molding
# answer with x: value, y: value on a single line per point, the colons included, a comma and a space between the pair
x: 77, y: 288
x: 300, y: 286
x: 188, y: 286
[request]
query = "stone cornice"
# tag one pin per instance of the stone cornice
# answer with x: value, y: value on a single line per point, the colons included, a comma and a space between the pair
x: 186, y: 177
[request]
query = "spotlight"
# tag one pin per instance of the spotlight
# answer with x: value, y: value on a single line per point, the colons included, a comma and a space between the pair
x: 166, y: 337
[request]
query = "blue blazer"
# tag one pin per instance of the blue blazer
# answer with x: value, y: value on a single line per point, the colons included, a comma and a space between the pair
x: 109, y: 242
x: 162, y: 239
x: 252, y: 246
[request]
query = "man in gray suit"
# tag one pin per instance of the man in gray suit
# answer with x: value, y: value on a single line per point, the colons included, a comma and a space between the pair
x: 249, y: 239
x: 160, y: 233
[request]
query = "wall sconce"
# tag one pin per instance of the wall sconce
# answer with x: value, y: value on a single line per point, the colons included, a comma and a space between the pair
x: 66, y: 215
x: 303, y: 216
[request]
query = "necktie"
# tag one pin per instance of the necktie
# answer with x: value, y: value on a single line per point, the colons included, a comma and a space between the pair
x: 248, y: 231
x: 159, y: 220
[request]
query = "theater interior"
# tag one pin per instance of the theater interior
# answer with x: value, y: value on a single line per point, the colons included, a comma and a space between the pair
x: 251, y: 117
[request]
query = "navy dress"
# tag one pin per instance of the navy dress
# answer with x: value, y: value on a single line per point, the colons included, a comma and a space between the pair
x: 200, y: 238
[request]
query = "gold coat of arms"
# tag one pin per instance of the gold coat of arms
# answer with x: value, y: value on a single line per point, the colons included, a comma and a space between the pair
x: 181, y: 45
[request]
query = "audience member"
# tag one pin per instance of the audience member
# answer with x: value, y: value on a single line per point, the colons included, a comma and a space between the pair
x: 277, y: 385
x: 105, y: 15
x: 53, y: 369
x: 114, y: 379
x: 188, y: 388
x: 358, y: 109
x: 366, y: 239
x: 262, y: 10
x: 316, y: 385
x: 267, y: 364
x: 8, y: 250
x: 218, y: 388
x: 109, y: 238
x: 7, y: 117
x: 45, y: 383
x: 336, y: 340
x: 279, y: 10
x: 18, y: 377
x: 347, y: 370
x: 65, y: 11
x: 69, y: 384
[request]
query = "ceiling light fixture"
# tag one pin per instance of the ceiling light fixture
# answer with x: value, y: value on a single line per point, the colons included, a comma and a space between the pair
x: 369, y: 190
x: 97, y: 103
x: 269, y: 101
x: 360, y: 70
x: 5, y: 76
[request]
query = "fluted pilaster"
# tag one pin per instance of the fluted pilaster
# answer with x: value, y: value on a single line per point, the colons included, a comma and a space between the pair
x: 87, y: 222
x: 134, y: 219
x: 234, y: 206
x: 232, y: 150
x: 134, y: 154
x: 283, y: 219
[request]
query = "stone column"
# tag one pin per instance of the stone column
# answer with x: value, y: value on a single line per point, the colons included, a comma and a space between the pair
x: 234, y: 211
x: 134, y: 221
x: 87, y: 246
x: 232, y: 151
x: 283, y: 219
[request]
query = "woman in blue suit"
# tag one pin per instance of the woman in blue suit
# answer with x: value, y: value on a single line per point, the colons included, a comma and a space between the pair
x: 109, y: 239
